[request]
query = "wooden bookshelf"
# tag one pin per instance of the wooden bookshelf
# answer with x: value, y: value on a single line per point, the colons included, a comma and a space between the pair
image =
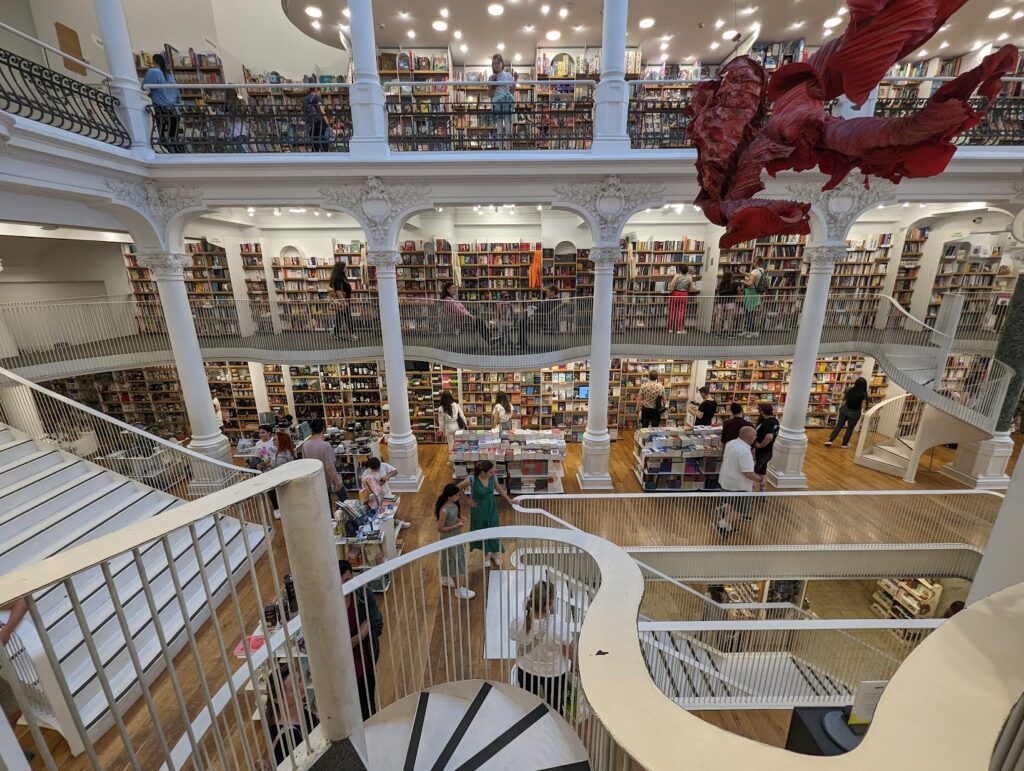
x: 748, y: 382
x: 282, y: 97
x: 298, y: 283
x: 188, y: 68
x: 342, y: 394
x: 208, y: 284
x: 738, y: 259
x: 424, y: 269
x: 490, y: 269
x: 832, y: 376
x: 675, y: 375
x: 862, y: 269
x: 143, y: 286
x: 560, y: 269
x: 783, y: 260
x: 277, y: 391
x: 910, y: 266
x: 967, y: 268
x: 231, y: 383
x: 256, y: 288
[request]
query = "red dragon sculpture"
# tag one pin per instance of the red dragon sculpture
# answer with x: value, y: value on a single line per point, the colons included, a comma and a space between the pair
x: 735, y: 143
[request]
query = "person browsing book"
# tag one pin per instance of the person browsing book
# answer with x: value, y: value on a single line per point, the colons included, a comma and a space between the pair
x: 678, y: 295
x: 649, y: 401
x: 704, y: 412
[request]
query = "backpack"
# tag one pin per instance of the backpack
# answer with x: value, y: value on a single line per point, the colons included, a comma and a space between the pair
x: 761, y: 285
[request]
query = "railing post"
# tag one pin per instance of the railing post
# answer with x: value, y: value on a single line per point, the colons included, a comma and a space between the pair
x: 611, y: 99
x: 403, y: 452
x: 308, y: 532
x: 983, y: 464
x: 786, y: 469
x: 125, y: 86
x: 168, y: 273
x: 593, y: 473
x: 366, y: 97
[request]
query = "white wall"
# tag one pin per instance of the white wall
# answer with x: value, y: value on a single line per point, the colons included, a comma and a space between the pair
x: 80, y: 15
x: 18, y: 14
x: 68, y: 268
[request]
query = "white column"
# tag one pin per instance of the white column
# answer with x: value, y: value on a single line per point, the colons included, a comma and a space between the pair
x: 20, y: 411
x: 787, y: 466
x: 369, y: 120
x: 403, y: 453
x: 259, y: 386
x: 1002, y: 566
x: 121, y: 62
x: 593, y: 473
x: 866, y: 110
x: 611, y: 102
x: 307, y: 531
x: 168, y: 273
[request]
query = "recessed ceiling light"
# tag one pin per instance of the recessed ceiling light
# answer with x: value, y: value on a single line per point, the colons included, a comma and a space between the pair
x: 841, y: 11
x: 826, y: 33
x: 500, y: 46
x: 999, y: 13
x: 646, y: 23
x: 749, y: 11
x: 943, y: 28
x: 719, y: 23
x: 921, y: 54
x: 545, y: 9
x: 479, y: 213
x: 457, y: 34
x: 299, y: 210
x: 1003, y: 36
x: 796, y: 25
x: 277, y: 212
x: 316, y: 214
x: 881, y: 206
x: 1018, y: 15
x: 729, y: 34
x: 553, y: 35
x: 252, y: 214
x: 920, y: 206
x: 315, y: 24
x: 439, y: 25
x: 977, y: 44
x: 250, y: 209
x: 906, y: 205
x: 714, y: 45
x: 647, y: 211
x: 463, y: 48
x: 664, y: 46
x: 563, y: 12
x: 664, y: 57
x: 313, y: 12
x: 404, y: 14
x: 944, y: 44
x: 444, y: 13
x: 440, y: 209
x: 667, y: 37
x: 517, y: 57
x: 578, y: 28
x: 495, y: 9
x: 328, y: 215
x: 411, y: 34
x: 540, y: 208
x: 834, y: 21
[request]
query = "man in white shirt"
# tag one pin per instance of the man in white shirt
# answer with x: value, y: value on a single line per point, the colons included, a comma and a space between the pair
x: 737, y: 476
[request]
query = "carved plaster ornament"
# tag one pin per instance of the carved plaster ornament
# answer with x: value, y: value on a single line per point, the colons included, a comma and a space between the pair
x: 841, y: 206
x: 159, y: 203
x: 377, y: 206
x: 611, y: 202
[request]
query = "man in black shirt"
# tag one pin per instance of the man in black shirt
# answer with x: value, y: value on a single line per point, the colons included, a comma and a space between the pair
x: 706, y: 410
x: 731, y: 427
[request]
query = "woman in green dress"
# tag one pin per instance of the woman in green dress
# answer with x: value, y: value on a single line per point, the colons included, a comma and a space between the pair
x: 480, y: 487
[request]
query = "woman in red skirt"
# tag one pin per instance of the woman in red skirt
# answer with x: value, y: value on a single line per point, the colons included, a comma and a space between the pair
x: 679, y: 293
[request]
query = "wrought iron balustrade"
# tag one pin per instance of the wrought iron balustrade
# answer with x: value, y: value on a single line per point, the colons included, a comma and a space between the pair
x: 31, y: 90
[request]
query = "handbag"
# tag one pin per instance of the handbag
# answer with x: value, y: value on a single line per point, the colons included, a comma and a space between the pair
x: 459, y: 420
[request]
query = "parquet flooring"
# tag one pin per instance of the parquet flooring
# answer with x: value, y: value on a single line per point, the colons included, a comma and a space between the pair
x: 826, y: 468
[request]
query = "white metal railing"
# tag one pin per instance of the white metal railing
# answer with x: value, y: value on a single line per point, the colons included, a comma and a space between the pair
x: 892, y: 420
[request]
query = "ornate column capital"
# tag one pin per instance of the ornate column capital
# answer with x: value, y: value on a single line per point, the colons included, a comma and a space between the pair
x: 165, y: 266
x: 605, y: 257
x: 609, y: 203
x: 823, y: 257
x: 157, y: 203
x: 384, y: 260
x: 841, y: 206
x: 379, y: 208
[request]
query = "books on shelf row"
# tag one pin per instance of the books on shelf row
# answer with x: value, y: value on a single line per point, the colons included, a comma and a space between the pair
x: 676, y: 459
x: 528, y: 461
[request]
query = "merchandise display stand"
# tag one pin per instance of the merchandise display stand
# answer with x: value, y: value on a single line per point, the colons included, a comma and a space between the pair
x: 375, y: 543
x: 906, y: 598
x: 527, y: 461
x: 678, y: 459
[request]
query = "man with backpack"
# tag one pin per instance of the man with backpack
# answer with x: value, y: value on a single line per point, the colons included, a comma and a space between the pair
x: 755, y: 284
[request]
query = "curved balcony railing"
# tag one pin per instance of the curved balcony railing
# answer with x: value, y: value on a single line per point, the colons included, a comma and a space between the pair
x: 44, y: 340
x: 222, y: 710
x: 34, y: 91
x: 251, y: 118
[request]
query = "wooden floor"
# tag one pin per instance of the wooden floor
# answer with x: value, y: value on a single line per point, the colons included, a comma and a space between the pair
x: 826, y: 468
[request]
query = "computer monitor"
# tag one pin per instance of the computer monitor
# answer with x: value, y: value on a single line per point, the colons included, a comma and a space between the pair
x: 304, y: 430
x: 584, y: 392
x: 267, y: 418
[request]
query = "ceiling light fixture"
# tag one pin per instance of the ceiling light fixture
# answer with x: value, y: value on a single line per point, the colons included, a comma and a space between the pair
x: 841, y: 11
x: 719, y: 23
x: 1018, y: 15
x: 563, y: 12
x: 749, y: 11
x: 347, y: 12
x: 529, y: 28
x: 646, y: 23
x: 250, y: 209
x: 540, y: 208
x: 920, y: 206
x: 881, y: 206
x: 553, y: 35
x: 440, y: 209
x: 315, y: 24
x: 316, y: 214
x: 328, y: 215
x: 664, y: 58
x: 1003, y: 36
x: 252, y: 214
x: 545, y: 9
x: 921, y: 54
x: 826, y: 33
x: 411, y: 34
x: 444, y: 13
x: 463, y: 48
x: 664, y: 46
x: 578, y: 28
x: 906, y: 205
x: 403, y: 14
x: 495, y: 9
x: 298, y: 210
x: 714, y: 45
x: 834, y: 21
x: 944, y: 44
x: 999, y: 13
x: 440, y: 26
x: 667, y: 37
x: 313, y: 12
x: 277, y: 212
x: 457, y: 34
x: 517, y: 57
x: 943, y: 28
x: 729, y: 34
x: 796, y: 25
x: 501, y: 46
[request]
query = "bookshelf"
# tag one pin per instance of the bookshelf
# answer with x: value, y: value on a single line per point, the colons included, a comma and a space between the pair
x: 208, y: 284
x: 527, y: 461
x: 967, y: 268
x: 738, y: 259
x: 188, y: 68
x: 748, y: 382
x: 656, y: 262
x: 425, y: 267
x: 832, y: 376
x: 862, y: 269
x: 906, y: 598
x: 277, y: 391
x: 910, y: 266
x: 271, y: 106
x: 677, y: 459
x: 488, y: 269
x: 299, y: 283
x: 560, y: 269
x: 340, y: 393
x: 783, y: 260
x: 907, y: 91
x: 231, y: 383
x: 655, y: 115
x: 419, y: 115
x: 144, y: 289
x: 675, y: 375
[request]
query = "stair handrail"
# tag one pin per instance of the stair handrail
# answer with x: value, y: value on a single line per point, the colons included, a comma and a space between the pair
x: 866, y: 423
x: 193, y: 456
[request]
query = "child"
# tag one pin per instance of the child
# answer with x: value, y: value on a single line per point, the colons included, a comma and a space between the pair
x: 450, y: 522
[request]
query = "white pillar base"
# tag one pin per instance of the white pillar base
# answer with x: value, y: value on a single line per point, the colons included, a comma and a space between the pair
x: 403, y: 454
x: 982, y: 465
x: 593, y: 472
x: 786, y: 470
x: 207, y: 477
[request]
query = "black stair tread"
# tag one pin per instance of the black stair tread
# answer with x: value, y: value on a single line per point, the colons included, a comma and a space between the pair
x: 504, y: 739
x: 417, y: 731
x: 462, y: 728
x: 579, y: 765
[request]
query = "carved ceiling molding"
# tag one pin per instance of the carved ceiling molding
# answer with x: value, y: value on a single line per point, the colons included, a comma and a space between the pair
x: 377, y: 206
x: 610, y: 203
x: 840, y: 207
x: 158, y: 203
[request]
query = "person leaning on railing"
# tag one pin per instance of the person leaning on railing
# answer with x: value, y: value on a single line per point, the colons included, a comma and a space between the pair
x: 166, y: 102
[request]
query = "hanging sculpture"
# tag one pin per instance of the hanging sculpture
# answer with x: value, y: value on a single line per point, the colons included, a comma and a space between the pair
x: 737, y: 138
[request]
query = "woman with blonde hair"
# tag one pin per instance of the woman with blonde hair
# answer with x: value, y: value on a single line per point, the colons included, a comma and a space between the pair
x: 544, y: 647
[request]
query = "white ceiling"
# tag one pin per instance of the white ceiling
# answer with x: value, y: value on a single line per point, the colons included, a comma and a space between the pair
x: 690, y: 27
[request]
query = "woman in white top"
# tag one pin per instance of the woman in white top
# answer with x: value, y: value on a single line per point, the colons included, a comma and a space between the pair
x: 449, y: 417
x: 544, y: 647
x: 375, y: 481
x: 679, y: 294
x: 502, y: 413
